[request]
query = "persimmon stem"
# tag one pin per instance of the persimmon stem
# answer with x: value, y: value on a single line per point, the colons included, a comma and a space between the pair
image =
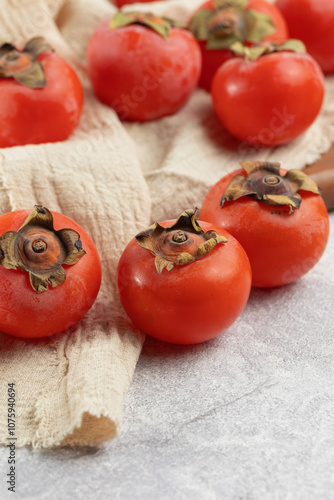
x: 272, y: 179
x: 180, y: 237
x: 39, y: 246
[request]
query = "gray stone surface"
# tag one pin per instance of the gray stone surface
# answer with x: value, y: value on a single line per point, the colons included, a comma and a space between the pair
x: 249, y: 415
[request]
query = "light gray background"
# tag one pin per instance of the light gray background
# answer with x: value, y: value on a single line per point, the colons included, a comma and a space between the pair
x: 249, y: 415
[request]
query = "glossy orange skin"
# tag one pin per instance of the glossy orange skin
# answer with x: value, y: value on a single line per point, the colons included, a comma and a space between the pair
x: 281, y: 247
x: 28, y: 314
x: 49, y: 114
x: 191, y: 303
x: 271, y: 100
x: 213, y: 59
x: 141, y: 75
x: 312, y: 21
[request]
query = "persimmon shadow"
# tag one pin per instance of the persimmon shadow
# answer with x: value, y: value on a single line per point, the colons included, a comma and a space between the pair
x: 154, y: 348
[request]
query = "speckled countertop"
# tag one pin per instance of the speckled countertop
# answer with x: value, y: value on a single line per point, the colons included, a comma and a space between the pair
x: 248, y: 415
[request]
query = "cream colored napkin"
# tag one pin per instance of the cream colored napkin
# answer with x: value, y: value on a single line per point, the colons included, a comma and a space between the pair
x: 114, y: 179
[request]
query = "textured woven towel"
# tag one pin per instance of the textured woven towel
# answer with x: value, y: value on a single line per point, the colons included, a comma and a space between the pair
x: 113, y: 179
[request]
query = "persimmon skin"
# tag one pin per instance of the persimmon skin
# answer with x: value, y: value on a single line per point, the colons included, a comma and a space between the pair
x: 312, y: 22
x: 258, y: 104
x: 189, y: 304
x: 41, y: 115
x: 281, y: 247
x: 213, y: 59
x: 139, y: 74
x: 27, y: 314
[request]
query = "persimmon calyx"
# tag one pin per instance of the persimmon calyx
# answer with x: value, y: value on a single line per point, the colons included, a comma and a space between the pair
x: 23, y: 65
x: 161, y: 25
x: 230, y: 22
x: 258, y: 50
x: 263, y: 182
x: 179, y: 244
x: 38, y: 249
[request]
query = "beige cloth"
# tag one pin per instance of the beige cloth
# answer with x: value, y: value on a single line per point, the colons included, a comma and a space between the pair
x: 114, y: 180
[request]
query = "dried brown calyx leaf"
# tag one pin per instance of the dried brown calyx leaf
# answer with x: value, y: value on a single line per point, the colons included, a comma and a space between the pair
x: 40, y: 250
x: 263, y: 182
x: 179, y: 244
x: 161, y: 25
x: 23, y: 65
x: 230, y: 22
x: 258, y: 50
